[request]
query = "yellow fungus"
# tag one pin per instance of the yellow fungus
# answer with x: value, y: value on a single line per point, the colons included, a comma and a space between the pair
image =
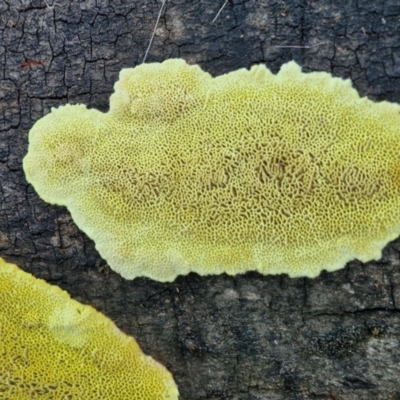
x: 52, y: 347
x: 289, y: 173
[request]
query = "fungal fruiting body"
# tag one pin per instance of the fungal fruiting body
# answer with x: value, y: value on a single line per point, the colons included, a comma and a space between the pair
x: 52, y: 347
x: 289, y: 173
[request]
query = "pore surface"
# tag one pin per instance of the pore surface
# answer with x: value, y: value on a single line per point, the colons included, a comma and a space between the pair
x: 289, y: 173
x: 53, y: 347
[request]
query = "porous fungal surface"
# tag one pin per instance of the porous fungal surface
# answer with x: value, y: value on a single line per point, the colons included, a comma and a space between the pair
x: 289, y: 173
x: 52, y: 347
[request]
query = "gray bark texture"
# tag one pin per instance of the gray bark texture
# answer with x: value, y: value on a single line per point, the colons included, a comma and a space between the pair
x: 223, y: 337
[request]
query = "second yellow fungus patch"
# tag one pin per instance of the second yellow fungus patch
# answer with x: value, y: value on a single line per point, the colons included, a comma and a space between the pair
x: 289, y: 173
x: 52, y: 347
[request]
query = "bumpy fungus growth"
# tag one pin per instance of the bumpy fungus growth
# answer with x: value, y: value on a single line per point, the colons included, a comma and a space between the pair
x: 289, y: 173
x: 52, y: 347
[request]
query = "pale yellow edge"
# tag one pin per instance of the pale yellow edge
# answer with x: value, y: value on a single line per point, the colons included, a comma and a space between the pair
x: 9, y: 268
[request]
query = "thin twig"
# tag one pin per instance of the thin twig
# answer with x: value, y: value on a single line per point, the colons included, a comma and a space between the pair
x: 48, y: 6
x: 154, y: 31
x: 219, y: 12
x: 302, y: 47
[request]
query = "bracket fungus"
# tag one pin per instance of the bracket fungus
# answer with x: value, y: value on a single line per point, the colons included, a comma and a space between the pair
x: 52, y: 347
x: 288, y: 173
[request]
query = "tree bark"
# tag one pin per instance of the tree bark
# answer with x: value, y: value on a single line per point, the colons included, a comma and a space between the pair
x: 223, y: 337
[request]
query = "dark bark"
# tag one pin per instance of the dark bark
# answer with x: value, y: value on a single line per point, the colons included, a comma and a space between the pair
x: 242, y: 337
